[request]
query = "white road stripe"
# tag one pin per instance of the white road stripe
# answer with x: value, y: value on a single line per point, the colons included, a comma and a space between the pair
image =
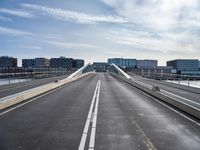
x: 86, y: 128
x: 13, y: 108
x: 92, y: 139
x: 93, y: 132
x: 15, y: 87
x: 164, y: 91
x: 179, y: 113
x: 180, y: 97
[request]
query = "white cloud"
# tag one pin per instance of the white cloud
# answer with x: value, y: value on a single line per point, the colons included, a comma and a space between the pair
x: 13, y: 32
x: 52, y: 36
x: 5, y: 18
x: 17, y: 13
x: 161, y: 25
x: 165, y: 42
x: 159, y: 14
x: 67, y: 45
x: 33, y: 47
x: 75, y: 16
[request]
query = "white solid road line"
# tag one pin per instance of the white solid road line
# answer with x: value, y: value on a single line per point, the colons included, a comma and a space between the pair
x: 15, y: 87
x: 180, y: 97
x: 13, y: 108
x: 168, y: 106
x: 94, y: 122
x: 89, y: 117
x: 181, y: 114
x: 166, y: 92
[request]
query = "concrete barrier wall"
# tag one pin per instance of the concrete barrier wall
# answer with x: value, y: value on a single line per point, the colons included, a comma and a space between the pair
x: 22, y: 96
x: 180, y: 105
x: 182, y: 87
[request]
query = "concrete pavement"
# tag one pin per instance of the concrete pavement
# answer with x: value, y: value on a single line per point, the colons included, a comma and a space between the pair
x: 122, y: 117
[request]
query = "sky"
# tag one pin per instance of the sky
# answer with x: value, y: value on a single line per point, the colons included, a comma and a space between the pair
x: 95, y: 30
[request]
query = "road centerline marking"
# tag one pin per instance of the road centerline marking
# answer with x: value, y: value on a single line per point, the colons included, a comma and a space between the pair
x: 89, y: 118
x: 94, y: 122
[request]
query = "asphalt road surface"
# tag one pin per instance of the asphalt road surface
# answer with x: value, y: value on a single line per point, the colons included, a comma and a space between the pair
x: 97, y: 112
x: 6, y: 90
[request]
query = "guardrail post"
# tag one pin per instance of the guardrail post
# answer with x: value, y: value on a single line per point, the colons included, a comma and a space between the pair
x: 9, y: 79
x: 19, y: 77
x: 171, y: 78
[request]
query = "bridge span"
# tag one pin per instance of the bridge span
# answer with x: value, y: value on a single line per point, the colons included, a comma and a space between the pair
x: 101, y: 112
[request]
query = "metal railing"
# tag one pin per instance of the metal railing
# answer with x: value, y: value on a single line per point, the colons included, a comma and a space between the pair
x: 173, y: 78
x: 9, y: 78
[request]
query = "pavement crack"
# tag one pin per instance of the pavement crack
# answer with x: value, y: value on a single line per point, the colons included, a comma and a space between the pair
x: 146, y: 139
